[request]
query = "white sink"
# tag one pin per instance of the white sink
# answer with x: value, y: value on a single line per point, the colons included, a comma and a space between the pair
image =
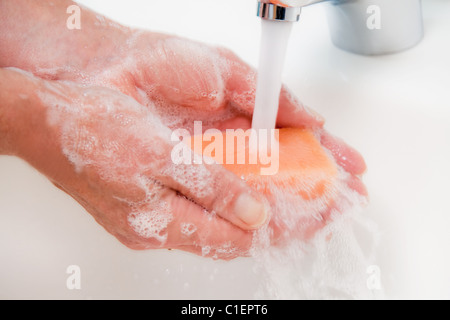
x: 394, y: 109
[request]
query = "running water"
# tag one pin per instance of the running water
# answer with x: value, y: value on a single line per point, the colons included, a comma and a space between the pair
x: 333, y: 264
x: 274, y: 42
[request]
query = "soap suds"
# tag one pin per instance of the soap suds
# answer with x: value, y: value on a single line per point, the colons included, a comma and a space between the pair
x: 332, y: 264
x: 152, y: 224
x: 188, y: 229
x: 206, y: 250
x: 118, y: 140
x: 199, y: 179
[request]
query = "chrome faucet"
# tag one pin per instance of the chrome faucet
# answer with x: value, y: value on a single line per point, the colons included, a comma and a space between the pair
x: 368, y: 27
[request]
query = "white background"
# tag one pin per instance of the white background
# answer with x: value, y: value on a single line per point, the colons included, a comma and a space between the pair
x: 394, y: 109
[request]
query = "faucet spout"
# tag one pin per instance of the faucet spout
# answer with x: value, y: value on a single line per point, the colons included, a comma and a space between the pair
x: 275, y: 12
x: 283, y: 10
x: 292, y: 3
x: 368, y: 27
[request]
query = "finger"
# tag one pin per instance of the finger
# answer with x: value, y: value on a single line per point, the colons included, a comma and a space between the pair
x: 241, y: 89
x: 293, y: 113
x: 197, y: 231
x: 216, y: 189
x: 182, y: 72
x: 357, y: 185
x: 347, y: 157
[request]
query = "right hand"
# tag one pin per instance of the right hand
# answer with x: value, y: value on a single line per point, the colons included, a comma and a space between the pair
x: 153, y: 56
x: 113, y: 156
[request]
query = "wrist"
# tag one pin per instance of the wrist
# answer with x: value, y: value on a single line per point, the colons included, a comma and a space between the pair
x: 18, y: 104
x: 43, y: 44
x: 27, y: 132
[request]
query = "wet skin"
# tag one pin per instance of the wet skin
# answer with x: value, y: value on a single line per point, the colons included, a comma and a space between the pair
x: 113, y: 87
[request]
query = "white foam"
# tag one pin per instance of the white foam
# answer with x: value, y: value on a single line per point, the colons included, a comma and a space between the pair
x: 225, y: 250
x: 151, y: 224
x: 206, y: 250
x: 91, y: 137
x: 197, y: 178
x: 120, y: 141
x: 188, y: 229
x: 220, y: 251
x: 331, y: 265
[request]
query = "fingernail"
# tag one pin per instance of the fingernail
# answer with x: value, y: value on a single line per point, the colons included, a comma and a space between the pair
x: 250, y: 211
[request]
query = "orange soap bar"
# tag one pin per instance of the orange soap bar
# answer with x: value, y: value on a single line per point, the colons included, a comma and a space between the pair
x: 304, y: 168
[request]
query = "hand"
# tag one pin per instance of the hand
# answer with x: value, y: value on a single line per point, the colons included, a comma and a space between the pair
x: 178, y: 81
x: 184, y: 81
x: 150, y: 67
x: 112, y: 155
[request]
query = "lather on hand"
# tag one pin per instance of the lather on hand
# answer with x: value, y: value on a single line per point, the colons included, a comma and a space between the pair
x: 95, y: 120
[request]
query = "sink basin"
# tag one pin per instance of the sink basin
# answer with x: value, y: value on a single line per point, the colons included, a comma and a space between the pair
x: 394, y: 109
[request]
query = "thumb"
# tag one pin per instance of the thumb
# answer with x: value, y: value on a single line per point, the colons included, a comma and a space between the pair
x: 217, y: 190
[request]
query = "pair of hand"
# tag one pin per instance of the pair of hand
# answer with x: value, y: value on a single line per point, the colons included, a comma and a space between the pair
x: 102, y: 134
